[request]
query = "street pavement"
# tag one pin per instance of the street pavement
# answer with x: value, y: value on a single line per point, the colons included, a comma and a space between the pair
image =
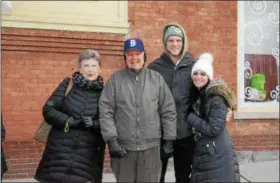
x: 267, y: 171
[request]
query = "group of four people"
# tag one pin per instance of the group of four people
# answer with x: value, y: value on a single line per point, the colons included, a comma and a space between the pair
x: 172, y: 107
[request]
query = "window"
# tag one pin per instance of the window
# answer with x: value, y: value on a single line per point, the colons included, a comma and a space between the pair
x: 258, y: 59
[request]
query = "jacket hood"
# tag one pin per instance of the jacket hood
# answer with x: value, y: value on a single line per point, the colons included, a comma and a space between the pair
x: 219, y: 87
x: 185, y: 39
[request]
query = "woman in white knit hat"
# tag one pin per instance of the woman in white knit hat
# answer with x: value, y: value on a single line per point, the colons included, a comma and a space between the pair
x: 214, y: 153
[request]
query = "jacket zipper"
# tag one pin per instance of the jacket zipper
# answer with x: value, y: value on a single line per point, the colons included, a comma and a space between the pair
x: 174, y: 73
x: 137, y: 120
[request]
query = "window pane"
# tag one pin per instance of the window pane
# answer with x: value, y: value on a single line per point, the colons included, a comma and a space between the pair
x: 261, y: 51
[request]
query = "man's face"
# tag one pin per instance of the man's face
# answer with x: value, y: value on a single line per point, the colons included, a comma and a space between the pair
x: 135, y: 59
x: 174, y: 45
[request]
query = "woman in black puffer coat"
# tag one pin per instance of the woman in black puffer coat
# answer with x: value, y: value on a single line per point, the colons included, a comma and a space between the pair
x: 215, y: 158
x: 74, y: 150
x: 4, y: 166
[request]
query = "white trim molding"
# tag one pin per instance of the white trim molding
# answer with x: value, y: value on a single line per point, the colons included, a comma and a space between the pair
x: 85, y: 16
x: 256, y: 115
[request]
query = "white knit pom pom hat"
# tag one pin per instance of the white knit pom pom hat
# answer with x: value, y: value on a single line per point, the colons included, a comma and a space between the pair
x: 204, y: 64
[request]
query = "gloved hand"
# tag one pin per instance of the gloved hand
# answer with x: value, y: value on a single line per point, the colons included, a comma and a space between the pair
x: 190, y: 110
x: 73, y: 122
x: 167, y: 149
x: 115, y: 150
x: 90, y: 123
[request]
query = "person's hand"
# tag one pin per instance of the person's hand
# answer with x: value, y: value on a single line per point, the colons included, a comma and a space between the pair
x: 87, y: 121
x: 229, y: 115
x: 167, y: 149
x: 115, y: 150
x: 73, y: 122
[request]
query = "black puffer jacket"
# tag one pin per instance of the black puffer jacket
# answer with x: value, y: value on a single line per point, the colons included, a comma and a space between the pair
x: 77, y: 155
x: 214, y: 153
x: 4, y: 166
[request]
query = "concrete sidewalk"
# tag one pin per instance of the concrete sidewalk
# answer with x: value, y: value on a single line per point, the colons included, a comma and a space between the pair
x: 267, y: 171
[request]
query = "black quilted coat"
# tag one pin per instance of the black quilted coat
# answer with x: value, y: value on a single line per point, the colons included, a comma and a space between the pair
x: 215, y: 158
x: 75, y: 156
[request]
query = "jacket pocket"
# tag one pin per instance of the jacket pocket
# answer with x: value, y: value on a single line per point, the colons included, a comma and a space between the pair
x: 185, y: 82
x: 211, y: 150
x: 153, y: 130
x: 207, y: 148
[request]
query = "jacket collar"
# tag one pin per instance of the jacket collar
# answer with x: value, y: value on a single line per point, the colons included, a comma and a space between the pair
x: 186, y: 60
x: 133, y: 73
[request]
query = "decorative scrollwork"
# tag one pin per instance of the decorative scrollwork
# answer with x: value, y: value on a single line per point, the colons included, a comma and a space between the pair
x: 249, y: 93
x: 247, y: 70
x: 257, y: 7
x: 255, y: 33
x: 275, y: 94
x: 274, y: 16
x: 275, y: 53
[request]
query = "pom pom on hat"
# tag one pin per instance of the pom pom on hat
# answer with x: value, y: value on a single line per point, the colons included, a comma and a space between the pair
x: 207, y: 56
x: 204, y: 64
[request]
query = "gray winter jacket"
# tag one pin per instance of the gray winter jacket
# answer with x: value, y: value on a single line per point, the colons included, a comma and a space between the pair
x: 137, y: 109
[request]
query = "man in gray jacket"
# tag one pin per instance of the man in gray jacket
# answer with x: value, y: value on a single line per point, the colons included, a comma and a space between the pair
x: 137, y: 109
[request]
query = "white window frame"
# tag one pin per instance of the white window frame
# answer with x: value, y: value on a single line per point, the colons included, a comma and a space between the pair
x: 242, y: 105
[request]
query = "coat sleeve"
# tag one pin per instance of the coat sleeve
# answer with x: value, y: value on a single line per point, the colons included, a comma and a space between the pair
x: 216, y: 119
x: 107, y: 107
x: 52, y: 109
x: 167, y: 111
x: 3, y: 130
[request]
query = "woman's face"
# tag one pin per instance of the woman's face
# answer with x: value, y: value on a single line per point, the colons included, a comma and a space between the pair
x: 89, y: 69
x: 200, y: 79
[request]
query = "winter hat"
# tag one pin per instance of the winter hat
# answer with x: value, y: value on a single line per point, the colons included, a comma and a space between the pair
x: 173, y: 30
x: 133, y: 44
x: 204, y: 64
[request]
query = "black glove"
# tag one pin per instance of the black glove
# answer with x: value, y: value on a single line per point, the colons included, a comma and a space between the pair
x: 167, y: 149
x: 90, y: 123
x: 73, y: 122
x: 190, y: 110
x: 115, y: 150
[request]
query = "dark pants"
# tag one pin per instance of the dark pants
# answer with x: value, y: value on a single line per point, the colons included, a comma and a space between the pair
x: 138, y: 166
x: 183, y: 157
x: 102, y: 147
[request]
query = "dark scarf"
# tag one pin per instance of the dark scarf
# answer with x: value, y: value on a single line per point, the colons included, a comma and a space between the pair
x: 82, y: 82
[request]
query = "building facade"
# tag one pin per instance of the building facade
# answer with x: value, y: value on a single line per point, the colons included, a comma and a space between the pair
x: 41, y: 40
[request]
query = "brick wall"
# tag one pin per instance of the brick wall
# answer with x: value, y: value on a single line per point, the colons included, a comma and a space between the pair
x: 35, y: 61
